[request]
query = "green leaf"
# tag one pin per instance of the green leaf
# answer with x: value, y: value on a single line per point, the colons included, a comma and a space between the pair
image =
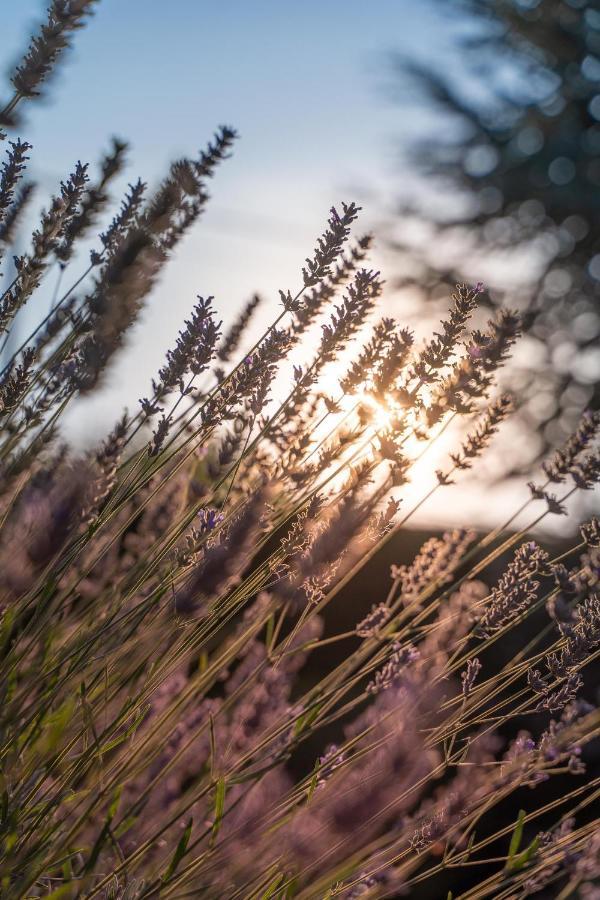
x: 516, y: 838
x: 291, y: 889
x: 112, y: 809
x: 11, y: 684
x: 67, y: 870
x: 137, y: 719
x: 522, y: 858
x: 56, y: 725
x: 219, y: 807
x: 213, y: 745
x: 306, y: 720
x: 179, y: 852
x: 10, y: 841
x: 272, y: 887
x: 125, y: 825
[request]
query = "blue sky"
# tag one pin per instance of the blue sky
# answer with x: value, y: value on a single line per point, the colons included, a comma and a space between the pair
x: 302, y: 82
x: 298, y: 79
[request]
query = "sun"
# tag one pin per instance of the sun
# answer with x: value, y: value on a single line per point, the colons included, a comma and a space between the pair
x: 381, y: 415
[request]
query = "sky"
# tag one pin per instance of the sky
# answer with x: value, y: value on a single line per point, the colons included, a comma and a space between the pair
x: 303, y: 83
x: 306, y: 84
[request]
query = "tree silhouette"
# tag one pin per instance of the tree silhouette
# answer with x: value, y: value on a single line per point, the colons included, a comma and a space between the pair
x: 520, y: 166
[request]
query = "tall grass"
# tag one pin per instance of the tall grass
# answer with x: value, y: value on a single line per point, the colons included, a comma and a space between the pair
x: 181, y: 716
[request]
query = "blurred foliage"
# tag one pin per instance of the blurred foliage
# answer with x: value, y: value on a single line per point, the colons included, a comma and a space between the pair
x: 511, y: 188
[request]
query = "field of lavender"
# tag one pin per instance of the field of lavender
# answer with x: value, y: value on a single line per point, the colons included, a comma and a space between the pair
x: 182, y: 714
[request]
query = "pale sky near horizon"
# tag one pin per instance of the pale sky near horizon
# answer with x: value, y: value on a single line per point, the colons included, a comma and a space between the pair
x: 305, y: 86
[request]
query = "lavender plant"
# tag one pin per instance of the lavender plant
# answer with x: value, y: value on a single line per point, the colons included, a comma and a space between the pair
x: 174, y: 721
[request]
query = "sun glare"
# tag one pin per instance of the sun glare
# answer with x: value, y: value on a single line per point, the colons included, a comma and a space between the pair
x: 381, y: 415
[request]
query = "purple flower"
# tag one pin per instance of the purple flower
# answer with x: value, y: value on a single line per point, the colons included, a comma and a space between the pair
x: 475, y: 351
x: 209, y: 518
